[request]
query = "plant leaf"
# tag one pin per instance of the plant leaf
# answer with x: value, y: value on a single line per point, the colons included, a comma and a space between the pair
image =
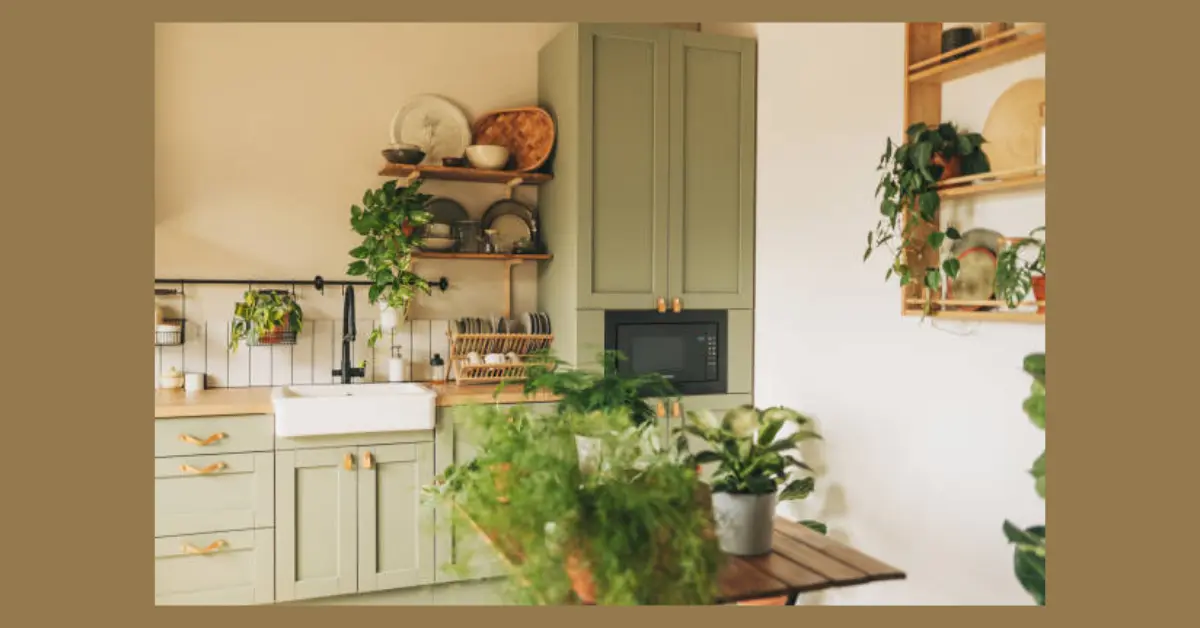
x: 815, y: 526
x: 705, y: 457
x: 953, y: 233
x: 935, y: 239
x: 950, y: 267
x: 798, y: 489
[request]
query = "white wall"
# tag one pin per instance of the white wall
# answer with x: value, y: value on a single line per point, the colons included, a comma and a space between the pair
x: 926, y: 445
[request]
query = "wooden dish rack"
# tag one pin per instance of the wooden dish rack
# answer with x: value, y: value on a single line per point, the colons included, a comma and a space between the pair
x: 523, y: 345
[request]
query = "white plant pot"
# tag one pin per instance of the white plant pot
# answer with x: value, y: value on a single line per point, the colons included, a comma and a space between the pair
x: 389, y: 317
x: 744, y: 522
x: 590, y: 453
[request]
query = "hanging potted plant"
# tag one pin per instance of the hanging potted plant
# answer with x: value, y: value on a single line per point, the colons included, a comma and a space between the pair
x: 1016, y: 277
x: 265, y: 317
x: 752, y: 466
x: 1029, y: 552
x: 909, y: 200
x: 389, y: 221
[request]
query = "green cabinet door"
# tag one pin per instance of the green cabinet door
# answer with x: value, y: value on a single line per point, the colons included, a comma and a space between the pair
x: 461, y: 553
x: 712, y: 104
x: 623, y: 166
x: 316, y: 525
x: 395, y: 531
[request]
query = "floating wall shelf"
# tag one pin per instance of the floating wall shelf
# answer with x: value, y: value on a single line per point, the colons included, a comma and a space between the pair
x: 511, y: 177
x: 482, y: 256
x: 974, y: 185
x: 989, y: 52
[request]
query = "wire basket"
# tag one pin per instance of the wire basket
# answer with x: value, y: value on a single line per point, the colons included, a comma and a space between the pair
x: 272, y: 338
x: 170, y: 338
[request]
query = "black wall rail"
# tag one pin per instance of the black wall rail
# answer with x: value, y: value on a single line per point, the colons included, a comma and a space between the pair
x: 317, y: 282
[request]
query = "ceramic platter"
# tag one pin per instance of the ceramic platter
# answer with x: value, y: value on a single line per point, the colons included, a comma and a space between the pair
x: 434, y: 124
x: 512, y: 220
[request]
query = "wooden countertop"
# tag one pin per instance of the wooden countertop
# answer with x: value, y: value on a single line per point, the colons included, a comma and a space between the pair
x: 170, y: 404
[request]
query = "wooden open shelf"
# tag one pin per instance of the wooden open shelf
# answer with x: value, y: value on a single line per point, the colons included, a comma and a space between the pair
x: 483, y: 256
x: 511, y: 177
x: 990, y: 52
x: 974, y: 185
x: 926, y: 69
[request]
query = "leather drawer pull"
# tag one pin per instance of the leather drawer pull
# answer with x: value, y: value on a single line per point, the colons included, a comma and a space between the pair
x: 216, y: 466
x: 188, y: 548
x: 188, y: 438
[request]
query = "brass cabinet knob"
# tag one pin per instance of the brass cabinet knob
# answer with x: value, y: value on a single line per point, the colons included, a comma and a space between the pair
x: 662, y: 410
x: 188, y: 548
x: 675, y: 411
x: 188, y: 438
x: 368, y: 461
x: 349, y: 462
x: 676, y: 306
x: 662, y: 305
x: 212, y: 468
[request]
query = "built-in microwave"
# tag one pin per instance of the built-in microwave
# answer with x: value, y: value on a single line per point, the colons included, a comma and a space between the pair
x: 688, y: 348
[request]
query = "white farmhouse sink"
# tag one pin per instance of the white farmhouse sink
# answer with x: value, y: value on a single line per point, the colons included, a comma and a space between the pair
x: 352, y: 409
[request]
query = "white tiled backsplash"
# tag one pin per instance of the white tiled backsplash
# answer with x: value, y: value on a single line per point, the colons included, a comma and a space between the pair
x: 318, y: 348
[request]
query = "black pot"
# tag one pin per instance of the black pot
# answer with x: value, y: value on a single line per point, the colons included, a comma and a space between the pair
x: 957, y: 38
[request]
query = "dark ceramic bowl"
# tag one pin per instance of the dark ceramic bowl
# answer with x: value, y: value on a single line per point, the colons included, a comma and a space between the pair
x: 408, y: 156
x: 454, y: 162
x: 957, y: 38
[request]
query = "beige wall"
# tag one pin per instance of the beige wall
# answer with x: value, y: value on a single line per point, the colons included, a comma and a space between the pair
x: 265, y: 134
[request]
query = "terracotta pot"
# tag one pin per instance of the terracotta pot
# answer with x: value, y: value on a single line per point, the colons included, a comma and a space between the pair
x: 406, y: 229
x: 580, y: 574
x: 950, y: 169
x: 1039, y: 291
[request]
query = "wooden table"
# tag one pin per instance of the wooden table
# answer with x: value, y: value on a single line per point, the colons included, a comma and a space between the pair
x: 800, y: 561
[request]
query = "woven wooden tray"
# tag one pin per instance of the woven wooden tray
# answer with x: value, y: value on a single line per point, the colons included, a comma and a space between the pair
x: 527, y: 133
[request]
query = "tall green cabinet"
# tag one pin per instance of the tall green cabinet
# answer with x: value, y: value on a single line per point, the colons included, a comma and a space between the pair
x: 653, y: 197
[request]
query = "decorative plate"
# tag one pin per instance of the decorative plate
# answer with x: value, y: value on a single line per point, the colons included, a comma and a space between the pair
x: 527, y: 133
x: 434, y: 124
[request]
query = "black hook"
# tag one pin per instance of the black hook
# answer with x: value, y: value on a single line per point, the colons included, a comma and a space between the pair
x: 319, y: 284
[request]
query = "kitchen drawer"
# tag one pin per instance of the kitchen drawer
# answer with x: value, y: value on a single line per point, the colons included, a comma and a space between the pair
x: 213, y: 435
x: 222, y: 568
x: 195, y: 494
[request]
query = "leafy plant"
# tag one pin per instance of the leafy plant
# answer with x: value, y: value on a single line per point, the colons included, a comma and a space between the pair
x: 1029, y: 555
x: 1014, y: 275
x: 751, y: 457
x: 584, y: 391
x: 909, y: 201
x: 640, y: 528
x: 389, y: 221
x: 261, y: 313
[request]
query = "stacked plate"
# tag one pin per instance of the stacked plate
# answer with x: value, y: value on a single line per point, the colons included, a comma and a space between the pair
x: 536, y: 323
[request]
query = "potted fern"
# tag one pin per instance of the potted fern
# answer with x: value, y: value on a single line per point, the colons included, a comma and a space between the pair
x: 753, y: 465
x: 909, y: 200
x: 265, y: 317
x: 389, y: 221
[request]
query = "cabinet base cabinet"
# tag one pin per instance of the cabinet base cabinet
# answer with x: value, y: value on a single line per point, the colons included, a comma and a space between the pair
x: 395, y: 530
x: 316, y: 523
x: 222, y: 568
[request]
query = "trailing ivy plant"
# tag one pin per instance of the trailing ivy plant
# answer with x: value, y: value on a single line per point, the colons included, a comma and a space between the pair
x: 640, y: 529
x: 1029, y: 555
x: 584, y: 391
x: 751, y: 458
x: 389, y: 221
x: 261, y: 313
x: 909, y: 200
x: 1014, y: 275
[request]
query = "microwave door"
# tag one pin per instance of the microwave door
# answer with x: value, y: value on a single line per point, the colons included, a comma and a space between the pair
x: 678, y: 352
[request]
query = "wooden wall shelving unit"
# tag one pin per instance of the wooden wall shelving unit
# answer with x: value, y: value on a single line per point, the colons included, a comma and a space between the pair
x: 926, y: 69
x: 512, y: 177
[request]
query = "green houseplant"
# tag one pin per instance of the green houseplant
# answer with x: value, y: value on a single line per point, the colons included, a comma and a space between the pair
x: 753, y: 465
x: 909, y: 200
x: 637, y: 531
x: 389, y: 221
x: 1015, y: 276
x: 263, y: 316
x: 1029, y: 554
x: 583, y: 391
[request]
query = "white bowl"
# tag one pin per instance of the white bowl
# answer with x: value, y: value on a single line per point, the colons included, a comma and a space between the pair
x: 438, y: 230
x: 487, y: 156
x: 437, y: 244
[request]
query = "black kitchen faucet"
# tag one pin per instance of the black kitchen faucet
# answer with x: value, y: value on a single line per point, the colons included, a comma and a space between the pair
x: 349, y: 332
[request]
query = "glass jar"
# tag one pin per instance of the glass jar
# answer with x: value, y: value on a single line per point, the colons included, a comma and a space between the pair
x: 468, y: 234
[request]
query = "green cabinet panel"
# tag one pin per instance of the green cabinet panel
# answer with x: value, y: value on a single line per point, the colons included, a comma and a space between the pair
x: 194, y: 494
x: 316, y: 523
x: 215, y: 569
x: 395, y: 531
x: 712, y: 105
x: 460, y: 553
x: 624, y: 159
x: 213, y: 435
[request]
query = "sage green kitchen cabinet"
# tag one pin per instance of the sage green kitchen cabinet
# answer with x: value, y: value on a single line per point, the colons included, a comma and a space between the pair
x: 349, y: 520
x: 461, y: 553
x: 653, y: 195
x: 316, y: 529
x: 395, y: 532
x: 221, y: 568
